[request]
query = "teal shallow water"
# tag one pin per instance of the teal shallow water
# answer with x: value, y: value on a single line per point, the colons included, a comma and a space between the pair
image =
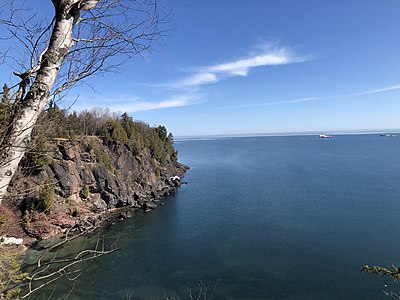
x: 263, y: 218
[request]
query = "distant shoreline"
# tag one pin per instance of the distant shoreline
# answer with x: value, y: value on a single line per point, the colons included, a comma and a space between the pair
x: 335, y: 133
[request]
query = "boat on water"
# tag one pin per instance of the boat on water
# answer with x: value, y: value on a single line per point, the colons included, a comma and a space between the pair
x: 325, y: 136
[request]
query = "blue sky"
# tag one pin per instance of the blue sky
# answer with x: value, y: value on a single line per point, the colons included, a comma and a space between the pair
x: 261, y: 66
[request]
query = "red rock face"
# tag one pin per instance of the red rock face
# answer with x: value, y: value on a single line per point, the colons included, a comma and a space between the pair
x: 89, y: 178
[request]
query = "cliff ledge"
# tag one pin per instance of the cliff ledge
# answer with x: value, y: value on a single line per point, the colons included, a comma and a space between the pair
x: 81, y: 182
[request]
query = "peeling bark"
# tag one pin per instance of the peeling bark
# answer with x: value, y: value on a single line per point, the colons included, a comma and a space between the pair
x: 65, y: 60
x: 33, y: 103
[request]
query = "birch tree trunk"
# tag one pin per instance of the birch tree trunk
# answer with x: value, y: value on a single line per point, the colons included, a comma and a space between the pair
x: 33, y: 103
x: 112, y: 28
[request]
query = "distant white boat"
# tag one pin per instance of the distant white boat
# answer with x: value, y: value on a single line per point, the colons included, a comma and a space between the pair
x: 388, y: 134
x: 324, y: 136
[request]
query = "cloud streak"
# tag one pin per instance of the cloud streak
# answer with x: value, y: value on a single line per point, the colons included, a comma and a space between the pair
x: 240, y: 67
x: 297, y: 100
x: 136, y: 104
x: 382, y: 90
x: 194, y: 80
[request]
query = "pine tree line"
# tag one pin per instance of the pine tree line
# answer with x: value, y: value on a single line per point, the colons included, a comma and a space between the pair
x: 56, y: 122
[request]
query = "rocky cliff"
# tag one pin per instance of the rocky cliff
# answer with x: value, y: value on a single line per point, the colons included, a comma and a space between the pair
x: 84, y: 179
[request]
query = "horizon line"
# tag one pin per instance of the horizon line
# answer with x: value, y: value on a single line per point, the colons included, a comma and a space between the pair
x: 303, y: 133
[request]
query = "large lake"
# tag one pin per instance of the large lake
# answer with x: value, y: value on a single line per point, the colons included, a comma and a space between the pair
x: 262, y: 218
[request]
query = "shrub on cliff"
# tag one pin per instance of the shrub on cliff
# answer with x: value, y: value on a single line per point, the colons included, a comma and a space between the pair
x: 5, y: 109
x: 47, y: 197
x: 36, y: 159
x: 10, y: 272
x: 85, y: 192
x: 104, y: 158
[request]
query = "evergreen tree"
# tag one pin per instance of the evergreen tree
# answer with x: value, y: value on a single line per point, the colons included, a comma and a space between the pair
x: 5, y: 109
x: 136, y: 135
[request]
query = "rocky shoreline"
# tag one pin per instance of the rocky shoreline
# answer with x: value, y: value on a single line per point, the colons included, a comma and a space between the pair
x: 84, y: 183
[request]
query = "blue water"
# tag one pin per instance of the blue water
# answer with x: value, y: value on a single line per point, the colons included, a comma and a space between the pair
x: 263, y: 218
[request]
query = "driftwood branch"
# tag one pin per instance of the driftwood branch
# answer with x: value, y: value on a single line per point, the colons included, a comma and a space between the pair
x: 49, y: 271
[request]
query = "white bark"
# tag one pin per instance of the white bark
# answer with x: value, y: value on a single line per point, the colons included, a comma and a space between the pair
x: 15, y: 145
x: 112, y: 28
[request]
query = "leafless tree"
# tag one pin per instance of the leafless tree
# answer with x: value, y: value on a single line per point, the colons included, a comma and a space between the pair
x: 83, y: 38
x: 49, y: 269
x: 393, y: 273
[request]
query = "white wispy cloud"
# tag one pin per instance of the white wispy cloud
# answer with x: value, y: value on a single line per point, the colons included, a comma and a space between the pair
x: 297, y: 100
x: 390, y: 88
x: 269, y: 56
x: 136, y: 104
x: 194, y: 80
x: 242, y: 67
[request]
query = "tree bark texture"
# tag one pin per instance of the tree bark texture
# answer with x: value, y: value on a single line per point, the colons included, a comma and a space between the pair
x: 36, y: 98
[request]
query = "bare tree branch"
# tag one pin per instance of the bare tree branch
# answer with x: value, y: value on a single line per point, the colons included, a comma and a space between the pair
x: 82, y: 39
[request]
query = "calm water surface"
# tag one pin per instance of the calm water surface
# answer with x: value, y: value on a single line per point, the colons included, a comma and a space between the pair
x: 262, y: 218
